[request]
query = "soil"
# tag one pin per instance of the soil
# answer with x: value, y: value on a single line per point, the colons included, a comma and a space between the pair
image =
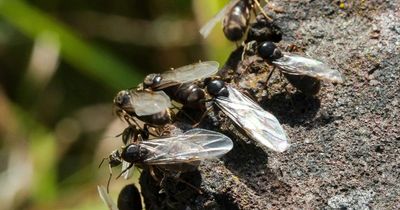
x: 345, y: 140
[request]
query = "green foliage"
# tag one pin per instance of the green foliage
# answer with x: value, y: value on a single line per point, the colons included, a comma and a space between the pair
x: 87, y: 58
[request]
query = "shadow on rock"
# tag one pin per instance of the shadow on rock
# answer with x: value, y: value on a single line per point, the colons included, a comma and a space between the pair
x: 250, y: 164
x: 169, y: 192
x: 292, y: 109
x: 226, y: 202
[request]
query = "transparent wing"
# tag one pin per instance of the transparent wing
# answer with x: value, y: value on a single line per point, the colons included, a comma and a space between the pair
x: 148, y: 102
x: 193, y: 145
x: 128, y: 173
x: 106, y: 198
x: 191, y: 72
x: 258, y: 124
x: 298, y: 65
x: 207, y: 28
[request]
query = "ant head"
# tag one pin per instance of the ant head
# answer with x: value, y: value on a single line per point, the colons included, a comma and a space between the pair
x: 114, y: 159
x: 152, y: 80
x: 122, y: 98
x: 217, y: 88
x: 269, y: 51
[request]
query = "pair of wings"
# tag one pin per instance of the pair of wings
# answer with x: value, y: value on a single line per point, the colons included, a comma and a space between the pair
x: 258, y: 124
x: 191, y: 72
x: 152, y: 102
x: 298, y: 65
x: 193, y: 145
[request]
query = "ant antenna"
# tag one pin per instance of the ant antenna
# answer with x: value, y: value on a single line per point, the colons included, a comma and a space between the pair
x: 125, y: 170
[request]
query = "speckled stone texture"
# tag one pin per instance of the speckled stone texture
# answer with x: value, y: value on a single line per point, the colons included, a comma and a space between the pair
x: 345, y: 141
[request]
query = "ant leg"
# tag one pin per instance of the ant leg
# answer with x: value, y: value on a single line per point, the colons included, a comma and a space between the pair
x: 284, y: 86
x: 128, y: 135
x: 161, y: 131
x: 248, y: 94
x: 269, y: 75
x: 139, y: 138
x: 248, y: 66
x: 187, y: 115
x: 202, y: 117
x: 128, y: 173
x: 184, y: 113
x: 110, y: 175
x: 128, y: 119
x: 153, y: 175
x: 130, y: 166
x: 285, y: 83
x: 101, y: 163
x: 179, y: 179
x: 109, y: 178
x: 262, y: 10
x: 132, y: 136
x: 244, y: 45
x: 146, y: 129
x: 268, y: 78
x: 190, y: 185
x: 165, y: 132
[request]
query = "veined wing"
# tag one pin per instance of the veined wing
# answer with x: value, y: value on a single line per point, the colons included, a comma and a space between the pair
x: 105, y: 197
x: 149, y: 102
x: 258, y: 124
x: 127, y: 172
x: 298, y: 65
x: 207, y: 28
x: 191, y: 72
x: 193, y: 145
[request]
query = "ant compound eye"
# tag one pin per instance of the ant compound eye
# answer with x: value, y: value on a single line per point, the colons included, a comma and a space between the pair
x: 152, y: 80
x: 157, y: 79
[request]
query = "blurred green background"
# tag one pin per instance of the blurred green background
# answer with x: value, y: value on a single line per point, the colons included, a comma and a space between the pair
x: 61, y: 63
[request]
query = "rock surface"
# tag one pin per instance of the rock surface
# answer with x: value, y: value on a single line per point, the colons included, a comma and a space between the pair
x: 345, y: 142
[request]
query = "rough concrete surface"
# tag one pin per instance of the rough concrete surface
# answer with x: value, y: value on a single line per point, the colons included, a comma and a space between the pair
x: 345, y: 141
